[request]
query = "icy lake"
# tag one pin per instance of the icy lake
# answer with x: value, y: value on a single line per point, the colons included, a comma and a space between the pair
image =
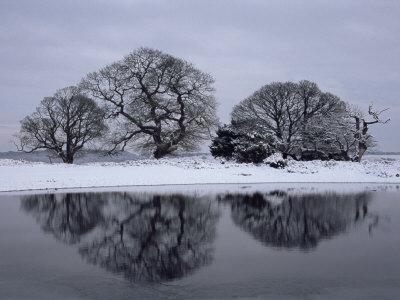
x: 275, y: 241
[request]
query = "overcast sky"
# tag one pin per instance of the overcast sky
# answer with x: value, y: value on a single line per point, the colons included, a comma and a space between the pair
x: 349, y: 48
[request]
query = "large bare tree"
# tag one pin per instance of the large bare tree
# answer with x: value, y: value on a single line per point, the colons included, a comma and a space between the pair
x: 160, y: 103
x: 63, y: 124
x: 285, y: 110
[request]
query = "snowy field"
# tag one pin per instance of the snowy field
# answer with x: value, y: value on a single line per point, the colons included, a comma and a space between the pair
x: 21, y: 174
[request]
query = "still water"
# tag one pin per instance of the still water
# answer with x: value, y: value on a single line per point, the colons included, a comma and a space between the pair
x: 253, y: 242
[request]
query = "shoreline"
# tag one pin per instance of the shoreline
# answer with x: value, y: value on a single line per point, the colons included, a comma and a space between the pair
x: 30, y: 176
x: 218, y: 187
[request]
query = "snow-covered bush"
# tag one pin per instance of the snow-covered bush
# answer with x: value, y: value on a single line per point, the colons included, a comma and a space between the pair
x: 276, y: 161
x: 223, y: 144
x: 251, y: 148
x: 235, y: 144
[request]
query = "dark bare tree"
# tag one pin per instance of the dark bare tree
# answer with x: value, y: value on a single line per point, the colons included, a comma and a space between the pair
x: 328, y: 135
x: 323, y: 119
x: 273, y: 109
x: 360, y: 131
x: 160, y: 103
x: 286, y: 110
x: 63, y: 124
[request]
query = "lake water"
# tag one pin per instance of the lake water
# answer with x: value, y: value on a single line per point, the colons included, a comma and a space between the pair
x: 205, y: 242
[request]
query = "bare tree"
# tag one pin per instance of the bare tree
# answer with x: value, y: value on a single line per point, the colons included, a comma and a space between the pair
x: 286, y: 109
x: 273, y: 109
x: 62, y: 124
x: 343, y: 136
x: 361, y: 135
x: 327, y: 135
x: 160, y: 102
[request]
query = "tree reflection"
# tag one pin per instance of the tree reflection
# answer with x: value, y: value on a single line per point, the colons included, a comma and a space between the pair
x: 66, y: 216
x: 145, y: 237
x: 150, y: 237
x: 156, y: 237
x: 282, y: 220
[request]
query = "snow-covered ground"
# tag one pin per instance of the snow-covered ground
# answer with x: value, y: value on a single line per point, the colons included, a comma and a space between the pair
x: 201, y: 169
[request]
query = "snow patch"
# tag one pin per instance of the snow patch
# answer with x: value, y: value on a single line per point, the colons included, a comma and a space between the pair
x: 201, y: 169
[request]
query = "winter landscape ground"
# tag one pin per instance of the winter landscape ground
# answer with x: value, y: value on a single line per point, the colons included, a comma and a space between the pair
x: 130, y: 170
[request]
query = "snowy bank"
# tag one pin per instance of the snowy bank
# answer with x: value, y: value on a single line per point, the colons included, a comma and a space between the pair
x: 25, y: 175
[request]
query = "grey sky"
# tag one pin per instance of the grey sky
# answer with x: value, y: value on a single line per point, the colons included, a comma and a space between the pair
x: 350, y: 48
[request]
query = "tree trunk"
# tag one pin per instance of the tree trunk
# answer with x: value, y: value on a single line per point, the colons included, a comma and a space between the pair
x: 362, y: 147
x: 69, y: 159
x: 163, y: 150
x: 345, y: 155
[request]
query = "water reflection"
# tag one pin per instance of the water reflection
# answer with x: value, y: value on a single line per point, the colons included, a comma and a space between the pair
x: 162, y: 237
x: 94, y: 239
x: 145, y: 237
x: 155, y: 237
x: 66, y: 216
x: 280, y: 219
